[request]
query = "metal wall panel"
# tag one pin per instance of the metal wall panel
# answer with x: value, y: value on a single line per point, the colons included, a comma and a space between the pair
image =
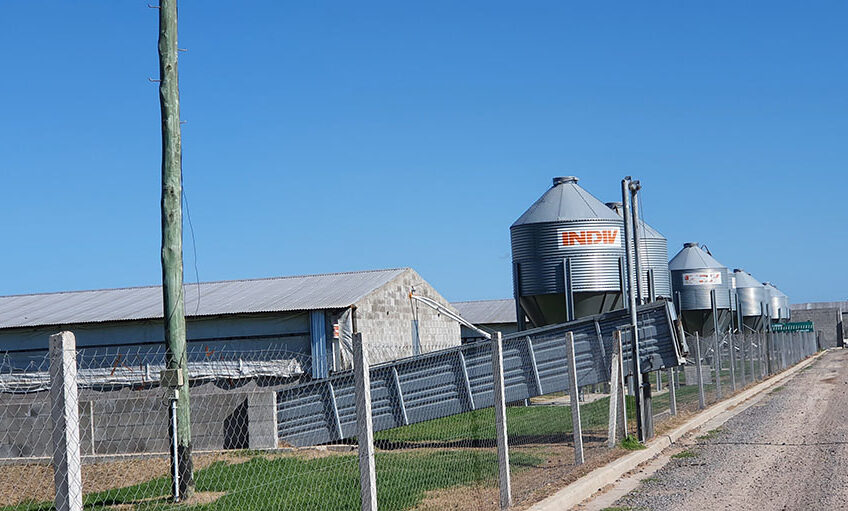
x: 457, y: 380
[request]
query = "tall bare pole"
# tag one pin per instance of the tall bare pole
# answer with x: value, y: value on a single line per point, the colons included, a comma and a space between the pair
x: 172, y: 243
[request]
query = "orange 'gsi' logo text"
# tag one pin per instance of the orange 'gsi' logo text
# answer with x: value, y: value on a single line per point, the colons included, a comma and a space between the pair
x: 574, y: 238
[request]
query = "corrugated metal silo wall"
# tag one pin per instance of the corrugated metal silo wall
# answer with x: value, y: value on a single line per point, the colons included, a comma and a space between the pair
x: 538, y: 250
x: 697, y: 297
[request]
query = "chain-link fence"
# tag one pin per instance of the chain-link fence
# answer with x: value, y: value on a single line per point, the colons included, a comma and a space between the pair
x: 267, y: 436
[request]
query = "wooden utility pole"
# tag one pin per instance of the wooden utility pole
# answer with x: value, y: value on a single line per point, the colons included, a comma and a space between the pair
x: 172, y: 244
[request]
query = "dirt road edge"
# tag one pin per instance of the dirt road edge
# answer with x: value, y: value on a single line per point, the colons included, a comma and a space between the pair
x: 585, y: 487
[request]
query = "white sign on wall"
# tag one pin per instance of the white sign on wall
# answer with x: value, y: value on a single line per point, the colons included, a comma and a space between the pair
x: 702, y: 278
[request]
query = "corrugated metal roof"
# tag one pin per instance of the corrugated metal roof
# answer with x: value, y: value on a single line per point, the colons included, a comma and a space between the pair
x: 565, y: 201
x: 482, y: 312
x: 279, y: 294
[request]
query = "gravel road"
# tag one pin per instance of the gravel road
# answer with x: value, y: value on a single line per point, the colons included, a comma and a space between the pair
x: 788, y: 451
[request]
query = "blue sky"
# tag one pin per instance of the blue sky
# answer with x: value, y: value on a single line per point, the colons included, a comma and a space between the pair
x: 334, y: 136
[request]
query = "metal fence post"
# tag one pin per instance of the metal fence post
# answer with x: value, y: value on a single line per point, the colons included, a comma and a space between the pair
x: 699, y: 372
x: 64, y: 400
x: 576, y: 427
x: 364, y: 427
x: 504, y: 482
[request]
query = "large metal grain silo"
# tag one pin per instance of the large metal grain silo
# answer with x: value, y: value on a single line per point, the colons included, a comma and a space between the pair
x: 778, y: 303
x: 567, y: 235
x: 694, y: 274
x: 751, y: 296
x: 654, y: 253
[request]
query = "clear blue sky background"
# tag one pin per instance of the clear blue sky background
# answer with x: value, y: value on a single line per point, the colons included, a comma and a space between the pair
x: 333, y: 136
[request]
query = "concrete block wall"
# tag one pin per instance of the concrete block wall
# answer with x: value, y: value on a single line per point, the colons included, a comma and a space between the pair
x: 26, y: 427
x: 137, y: 422
x: 827, y: 321
x: 385, y: 319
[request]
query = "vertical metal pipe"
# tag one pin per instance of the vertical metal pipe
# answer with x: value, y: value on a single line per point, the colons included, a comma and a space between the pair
x: 631, y: 299
x: 516, y: 293
x: 175, y: 475
x: 652, y: 288
x: 637, y: 240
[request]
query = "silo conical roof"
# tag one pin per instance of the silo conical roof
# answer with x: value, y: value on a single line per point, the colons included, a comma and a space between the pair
x: 745, y: 279
x: 692, y: 256
x: 566, y: 201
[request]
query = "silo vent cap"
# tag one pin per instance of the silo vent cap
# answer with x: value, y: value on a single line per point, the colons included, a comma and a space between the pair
x: 561, y: 180
x: 690, y: 244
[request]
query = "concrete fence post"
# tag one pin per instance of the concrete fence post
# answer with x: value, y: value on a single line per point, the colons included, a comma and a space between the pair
x: 64, y: 401
x: 576, y: 426
x: 672, y: 391
x: 744, y: 356
x: 699, y: 373
x: 731, y: 348
x: 364, y: 426
x: 717, y: 362
x: 753, y: 354
x: 504, y: 482
x: 617, y: 420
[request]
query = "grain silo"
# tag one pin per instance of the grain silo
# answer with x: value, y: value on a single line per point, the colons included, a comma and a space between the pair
x: 694, y: 275
x: 654, y: 254
x: 778, y: 303
x: 567, y: 256
x: 751, y: 298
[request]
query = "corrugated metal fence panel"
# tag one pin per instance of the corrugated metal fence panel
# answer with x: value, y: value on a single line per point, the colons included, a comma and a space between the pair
x: 459, y: 379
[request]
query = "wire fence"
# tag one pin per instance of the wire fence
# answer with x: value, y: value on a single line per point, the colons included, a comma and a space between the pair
x: 108, y: 406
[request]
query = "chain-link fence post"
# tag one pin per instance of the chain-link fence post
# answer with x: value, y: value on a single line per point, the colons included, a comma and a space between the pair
x: 753, y: 357
x: 504, y: 482
x: 576, y: 426
x: 699, y: 372
x: 364, y: 427
x: 64, y: 401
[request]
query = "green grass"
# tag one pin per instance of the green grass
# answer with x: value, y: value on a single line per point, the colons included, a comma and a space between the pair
x: 522, y: 421
x: 777, y: 389
x: 632, y: 444
x: 688, y: 453
x: 296, y: 483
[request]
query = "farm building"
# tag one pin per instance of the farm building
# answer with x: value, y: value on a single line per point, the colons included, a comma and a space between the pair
x: 489, y: 315
x: 246, y: 340
x: 306, y: 319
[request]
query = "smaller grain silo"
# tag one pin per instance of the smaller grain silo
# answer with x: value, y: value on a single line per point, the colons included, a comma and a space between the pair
x: 778, y: 303
x: 654, y: 254
x: 567, y: 256
x: 695, y: 273
x: 751, y: 299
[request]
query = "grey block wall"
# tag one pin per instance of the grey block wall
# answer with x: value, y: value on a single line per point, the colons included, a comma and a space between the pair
x: 826, y: 321
x: 385, y: 316
x: 126, y: 422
